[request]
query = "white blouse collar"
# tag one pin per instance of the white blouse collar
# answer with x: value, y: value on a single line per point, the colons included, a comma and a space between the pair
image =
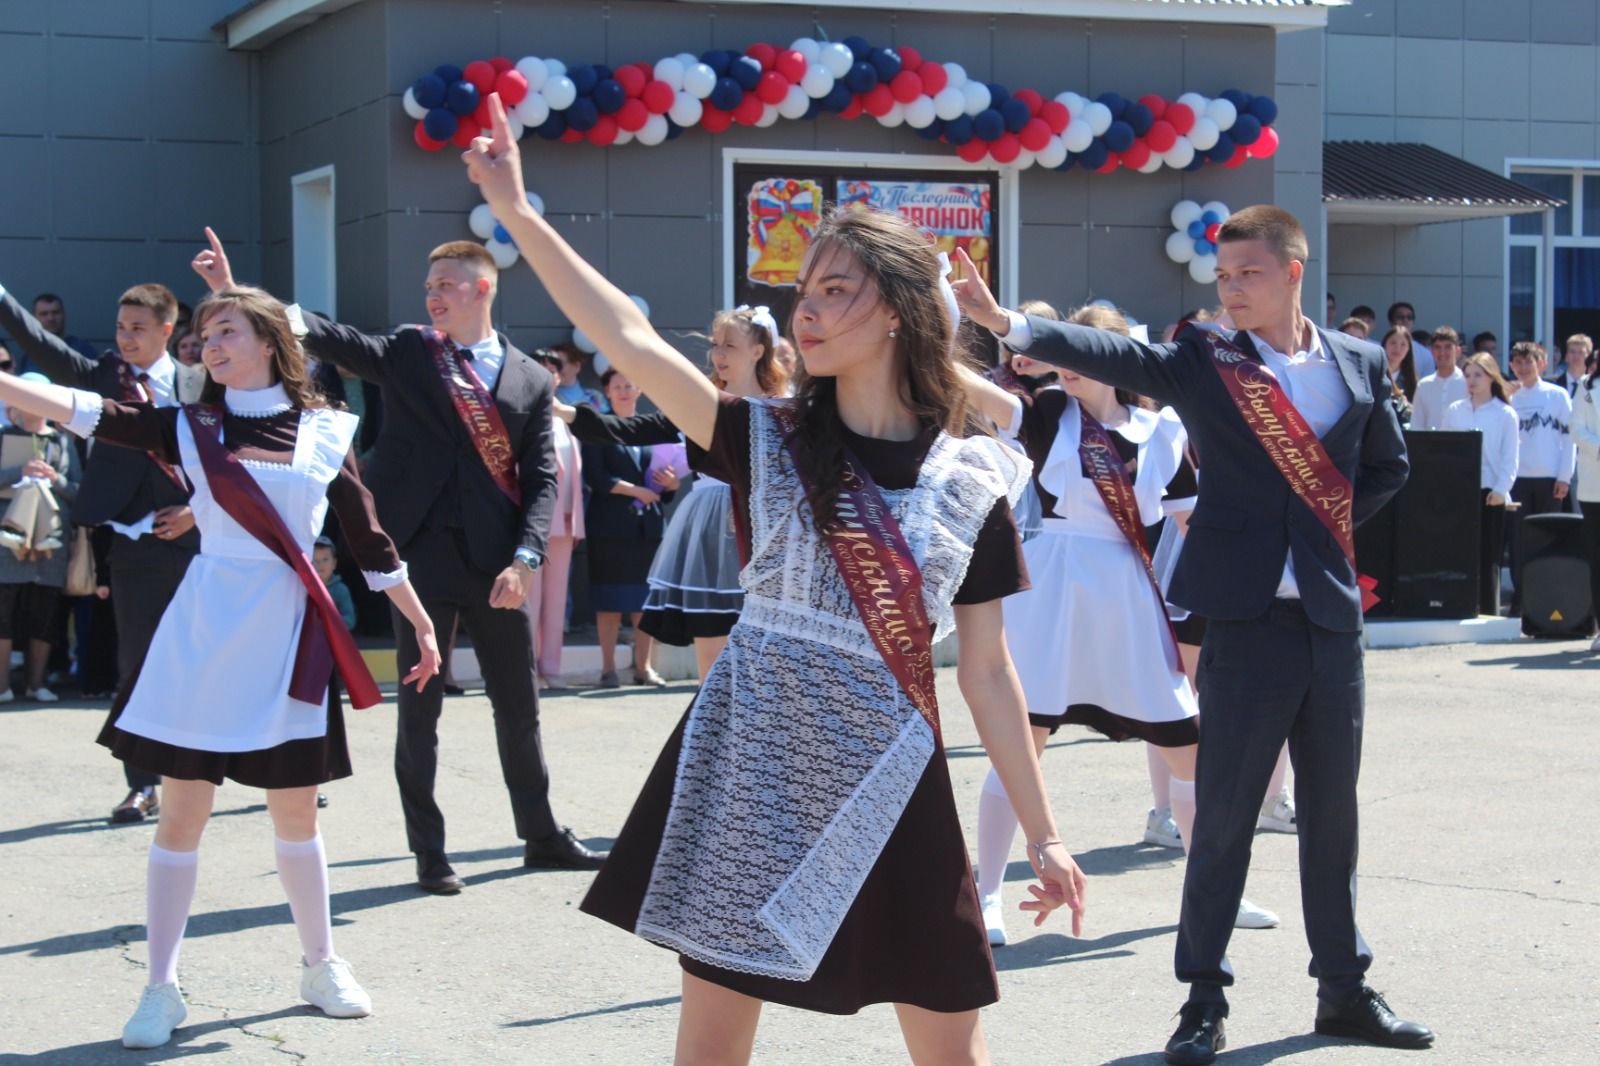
x: 258, y: 403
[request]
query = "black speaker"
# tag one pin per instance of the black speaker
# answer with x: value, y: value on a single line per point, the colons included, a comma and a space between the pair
x: 1436, y: 527
x: 1556, y: 596
x: 1375, y: 557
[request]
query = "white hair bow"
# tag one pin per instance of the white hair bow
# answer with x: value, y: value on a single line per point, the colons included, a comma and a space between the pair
x: 761, y: 315
x: 949, y: 293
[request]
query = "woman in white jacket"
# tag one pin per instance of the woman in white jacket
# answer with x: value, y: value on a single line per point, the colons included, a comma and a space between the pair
x: 1486, y: 410
x: 1586, y: 435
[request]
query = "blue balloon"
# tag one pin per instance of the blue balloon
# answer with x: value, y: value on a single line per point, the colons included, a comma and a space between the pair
x: 717, y: 60
x: 887, y: 63
x: 1222, y: 151
x: 1015, y: 113
x: 609, y: 96
x: 958, y: 131
x: 1211, y: 218
x: 726, y: 95
x: 813, y: 109
x: 998, y: 94
x: 1246, y: 129
x: 501, y: 235
x: 1202, y: 247
x: 1197, y: 162
x: 838, y: 97
x: 584, y: 78
x: 932, y: 131
x: 863, y: 77
x: 1139, y: 117
x: 553, y: 127
x: 1094, y: 157
x: 448, y: 73
x: 429, y: 91
x: 1240, y: 100
x: 988, y: 124
x: 746, y: 71
x: 462, y: 98
x: 602, y: 72
x: 858, y: 47
x: 583, y: 114
x: 1197, y: 229
x: 674, y: 131
x: 1068, y: 163
x: 1119, y: 136
x: 1116, y: 103
x: 1265, y: 109
x: 440, y: 124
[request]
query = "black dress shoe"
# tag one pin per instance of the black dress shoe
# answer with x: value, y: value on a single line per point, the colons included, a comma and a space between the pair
x: 139, y: 805
x: 562, y: 850
x: 1201, y: 1034
x: 435, y: 875
x: 452, y: 689
x: 1365, y: 1016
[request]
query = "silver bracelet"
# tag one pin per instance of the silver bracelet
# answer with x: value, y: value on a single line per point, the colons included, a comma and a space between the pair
x: 1038, y: 849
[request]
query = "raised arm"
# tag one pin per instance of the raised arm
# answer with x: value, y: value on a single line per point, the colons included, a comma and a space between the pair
x: 132, y: 425
x: 52, y: 355
x: 583, y: 294
x: 592, y: 427
x: 990, y: 400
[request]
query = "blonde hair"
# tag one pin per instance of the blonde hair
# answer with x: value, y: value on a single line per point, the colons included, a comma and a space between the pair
x: 771, y: 376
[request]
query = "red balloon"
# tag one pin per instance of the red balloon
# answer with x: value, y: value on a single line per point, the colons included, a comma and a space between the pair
x: 1265, y: 145
x: 934, y: 78
x: 973, y: 151
x: 1137, y: 155
x: 632, y: 116
x: 910, y: 58
x: 1180, y: 117
x: 426, y: 143
x: 482, y: 74
x: 1161, y: 136
x: 791, y: 64
x: 1031, y: 98
x: 1212, y: 231
x: 772, y: 88
x: 571, y: 136
x: 512, y: 87
x: 906, y: 86
x: 658, y: 97
x: 762, y: 53
x: 501, y: 64
x: 1156, y: 104
x: 1113, y: 161
x: 878, y: 102
x: 632, y: 80
x: 1005, y: 148
x: 853, y: 110
x: 466, y: 129
x: 481, y: 115
x: 1055, y: 115
x: 1240, y: 155
x: 750, y: 109
x: 1035, y: 135
x: 604, y: 131
x: 714, y: 120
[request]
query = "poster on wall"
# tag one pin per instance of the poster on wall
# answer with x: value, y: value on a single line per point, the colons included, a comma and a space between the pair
x: 783, y: 214
x: 953, y: 215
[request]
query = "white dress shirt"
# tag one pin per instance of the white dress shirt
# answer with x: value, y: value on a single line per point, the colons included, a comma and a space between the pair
x: 1434, y: 397
x: 1498, y: 424
x: 487, y: 359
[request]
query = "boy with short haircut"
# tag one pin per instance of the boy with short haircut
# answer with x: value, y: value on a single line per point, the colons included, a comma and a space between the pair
x: 1546, y: 453
x: 1443, y: 387
x: 325, y: 557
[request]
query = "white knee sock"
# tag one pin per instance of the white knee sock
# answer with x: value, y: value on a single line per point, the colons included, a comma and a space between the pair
x: 997, y: 829
x: 1160, y: 794
x: 1183, y: 808
x: 1279, y: 772
x: 303, y: 869
x: 169, y: 890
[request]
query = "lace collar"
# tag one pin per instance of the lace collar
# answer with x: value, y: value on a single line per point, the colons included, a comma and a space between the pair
x: 258, y: 403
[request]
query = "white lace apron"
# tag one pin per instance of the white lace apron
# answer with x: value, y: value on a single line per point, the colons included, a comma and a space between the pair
x: 801, y: 751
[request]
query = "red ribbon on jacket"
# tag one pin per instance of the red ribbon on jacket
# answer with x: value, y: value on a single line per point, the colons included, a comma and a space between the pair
x: 324, y: 640
x: 1293, y: 446
x: 478, y: 412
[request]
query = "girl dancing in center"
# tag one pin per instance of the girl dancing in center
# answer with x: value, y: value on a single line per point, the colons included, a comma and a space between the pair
x: 798, y: 840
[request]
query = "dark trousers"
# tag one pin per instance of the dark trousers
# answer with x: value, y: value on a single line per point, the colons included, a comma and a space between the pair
x: 1491, y: 549
x: 1591, y: 544
x: 1275, y: 677
x: 453, y: 591
x: 144, y: 575
x: 1537, y: 495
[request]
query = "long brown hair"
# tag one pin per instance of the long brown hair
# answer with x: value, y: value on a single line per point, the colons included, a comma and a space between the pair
x: 1486, y: 362
x: 1099, y: 316
x: 771, y: 377
x: 1406, y: 380
x: 270, y: 321
x: 904, y: 270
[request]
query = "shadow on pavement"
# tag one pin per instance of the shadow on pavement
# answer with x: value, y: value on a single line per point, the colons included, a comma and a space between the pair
x: 975, y: 751
x: 1582, y: 659
x: 182, y: 1045
x: 94, y: 825
x: 1052, y: 948
x: 1108, y: 862
x: 664, y: 1001
x: 1234, y: 1055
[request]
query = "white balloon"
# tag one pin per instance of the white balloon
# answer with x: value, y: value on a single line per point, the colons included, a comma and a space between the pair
x: 515, y: 125
x: 1098, y: 116
x: 795, y: 103
x: 1223, y: 113
x: 601, y: 363
x: 536, y: 202
x: 653, y: 132
x: 699, y: 80
x: 532, y: 110
x: 806, y: 47
x: 414, y: 109
x: 559, y: 92
x: 1180, y: 155
x: 670, y: 71
x: 1073, y: 102
x: 817, y: 82
x: 505, y: 255
x: 1078, y: 135
x: 836, y: 59
x: 1203, y: 134
x: 1194, y: 101
x: 950, y: 103
x: 769, y: 115
x: 1183, y: 213
x: 688, y: 59
x: 1151, y: 165
x: 895, y: 116
x: 623, y: 137
x: 955, y: 76
x: 921, y: 112
x: 555, y: 67
x: 533, y: 68
x: 642, y: 304
x: 481, y: 222
x: 1024, y: 160
x: 1203, y: 268
x: 1052, y: 155
x: 686, y: 110
x: 1217, y: 206
x: 581, y: 341
x: 1180, y: 246
x: 975, y: 95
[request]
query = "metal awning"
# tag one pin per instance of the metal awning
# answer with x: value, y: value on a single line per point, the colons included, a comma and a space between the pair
x: 1372, y: 183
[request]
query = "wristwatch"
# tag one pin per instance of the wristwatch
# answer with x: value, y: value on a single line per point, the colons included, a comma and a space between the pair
x: 528, y: 558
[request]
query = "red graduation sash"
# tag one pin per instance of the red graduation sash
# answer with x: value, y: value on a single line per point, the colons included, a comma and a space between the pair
x: 324, y: 640
x: 881, y: 574
x: 1105, y: 468
x: 1292, y: 445
x: 477, y: 411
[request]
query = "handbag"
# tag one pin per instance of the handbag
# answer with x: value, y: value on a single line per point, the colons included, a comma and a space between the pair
x: 80, y: 565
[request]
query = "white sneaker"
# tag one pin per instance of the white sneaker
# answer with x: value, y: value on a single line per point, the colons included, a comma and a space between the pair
x: 6, y: 695
x: 1251, y: 916
x: 994, y: 920
x: 161, y: 1010
x: 1160, y: 829
x: 331, y: 987
x: 1277, y: 814
x: 43, y: 695
x: 1594, y: 645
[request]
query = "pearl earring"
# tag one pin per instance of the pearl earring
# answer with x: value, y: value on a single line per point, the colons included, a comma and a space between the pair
x: 891, y: 334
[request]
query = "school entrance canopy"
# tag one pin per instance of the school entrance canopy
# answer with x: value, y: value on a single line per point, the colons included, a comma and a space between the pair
x: 1369, y: 183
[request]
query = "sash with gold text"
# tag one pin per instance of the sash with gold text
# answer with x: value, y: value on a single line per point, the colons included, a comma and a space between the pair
x: 477, y: 411
x: 1292, y: 445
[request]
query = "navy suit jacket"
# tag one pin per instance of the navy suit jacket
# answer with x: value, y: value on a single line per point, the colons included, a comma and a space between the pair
x: 1247, y: 518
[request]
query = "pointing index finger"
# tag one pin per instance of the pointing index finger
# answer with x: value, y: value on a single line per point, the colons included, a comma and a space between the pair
x: 502, y: 129
x: 216, y: 242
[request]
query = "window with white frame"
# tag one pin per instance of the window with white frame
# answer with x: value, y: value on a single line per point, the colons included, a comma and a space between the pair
x: 1553, y: 290
x: 314, y: 240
